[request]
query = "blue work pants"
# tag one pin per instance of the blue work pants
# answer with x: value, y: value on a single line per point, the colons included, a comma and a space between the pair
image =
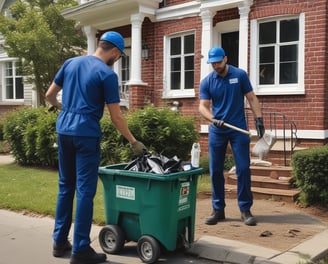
x: 79, y: 159
x: 218, y: 142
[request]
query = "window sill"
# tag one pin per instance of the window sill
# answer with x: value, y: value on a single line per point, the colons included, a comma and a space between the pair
x: 179, y: 94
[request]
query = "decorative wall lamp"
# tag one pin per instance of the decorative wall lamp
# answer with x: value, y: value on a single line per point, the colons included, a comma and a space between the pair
x: 145, y: 51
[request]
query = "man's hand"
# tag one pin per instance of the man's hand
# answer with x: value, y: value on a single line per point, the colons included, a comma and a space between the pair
x: 218, y: 123
x: 259, y: 126
x: 138, y: 148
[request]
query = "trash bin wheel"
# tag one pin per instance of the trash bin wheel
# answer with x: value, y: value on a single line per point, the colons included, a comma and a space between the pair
x: 111, y: 239
x: 148, y: 249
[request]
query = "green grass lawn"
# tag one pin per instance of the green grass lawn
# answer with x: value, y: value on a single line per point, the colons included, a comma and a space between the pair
x: 35, y: 190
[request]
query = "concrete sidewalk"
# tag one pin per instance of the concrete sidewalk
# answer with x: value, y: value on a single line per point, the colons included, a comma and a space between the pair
x: 24, y: 237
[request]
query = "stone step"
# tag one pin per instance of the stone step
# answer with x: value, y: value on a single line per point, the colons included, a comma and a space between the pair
x: 274, y: 171
x: 264, y: 182
x: 266, y: 193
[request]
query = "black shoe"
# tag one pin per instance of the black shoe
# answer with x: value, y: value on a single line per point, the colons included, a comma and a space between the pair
x: 215, y: 217
x: 88, y: 257
x: 248, y: 218
x: 60, y: 250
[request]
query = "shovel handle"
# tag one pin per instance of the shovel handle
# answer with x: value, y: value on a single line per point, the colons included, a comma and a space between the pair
x: 238, y: 129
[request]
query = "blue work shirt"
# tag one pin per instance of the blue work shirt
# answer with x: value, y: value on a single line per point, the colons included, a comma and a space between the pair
x: 87, y: 84
x: 227, y: 95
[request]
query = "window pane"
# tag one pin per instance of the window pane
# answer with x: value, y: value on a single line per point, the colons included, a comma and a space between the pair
x: 289, y: 30
x: 267, y: 55
x: 175, y: 80
x: 267, y: 74
x: 9, y: 89
x: 176, y: 64
x: 288, y: 73
x: 189, y: 63
x: 9, y: 69
x: 19, y: 88
x: 175, y: 46
x: 288, y: 53
x: 189, y: 80
x: 267, y: 33
x: 189, y: 44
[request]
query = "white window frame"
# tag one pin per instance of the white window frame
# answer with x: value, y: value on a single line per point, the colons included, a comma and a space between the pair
x: 3, y: 84
x: 167, y: 92
x: 123, y: 88
x: 276, y: 89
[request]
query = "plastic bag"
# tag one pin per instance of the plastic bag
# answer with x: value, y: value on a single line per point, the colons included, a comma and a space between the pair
x: 154, y: 163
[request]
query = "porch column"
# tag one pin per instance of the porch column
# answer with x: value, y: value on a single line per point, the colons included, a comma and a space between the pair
x: 136, y: 26
x: 207, y: 32
x: 90, y: 32
x: 243, y: 34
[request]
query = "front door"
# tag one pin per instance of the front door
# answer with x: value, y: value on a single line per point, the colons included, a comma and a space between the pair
x: 230, y: 44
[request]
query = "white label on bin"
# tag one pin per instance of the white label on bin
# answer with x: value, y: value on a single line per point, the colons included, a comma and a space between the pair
x: 184, y: 192
x: 125, y: 192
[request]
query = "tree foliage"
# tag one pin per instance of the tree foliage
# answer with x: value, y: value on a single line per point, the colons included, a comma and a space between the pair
x: 42, y: 38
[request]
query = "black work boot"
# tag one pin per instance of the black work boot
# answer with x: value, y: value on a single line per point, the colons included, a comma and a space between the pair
x: 215, y: 217
x: 248, y: 218
x: 88, y: 257
x: 61, y: 249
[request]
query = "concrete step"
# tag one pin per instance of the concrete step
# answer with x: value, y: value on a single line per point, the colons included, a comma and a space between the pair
x: 274, y: 171
x: 264, y: 182
x: 266, y: 193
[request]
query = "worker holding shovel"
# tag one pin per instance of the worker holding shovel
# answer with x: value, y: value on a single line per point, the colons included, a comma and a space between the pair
x: 222, y: 95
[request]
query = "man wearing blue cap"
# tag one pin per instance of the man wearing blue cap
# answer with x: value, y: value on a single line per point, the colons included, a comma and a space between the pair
x: 222, y: 95
x: 87, y: 84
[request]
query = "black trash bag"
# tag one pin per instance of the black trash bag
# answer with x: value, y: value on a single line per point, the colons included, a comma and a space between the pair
x: 154, y: 163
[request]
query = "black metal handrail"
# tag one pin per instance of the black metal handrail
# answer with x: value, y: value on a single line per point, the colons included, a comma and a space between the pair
x: 285, y: 125
x: 275, y: 121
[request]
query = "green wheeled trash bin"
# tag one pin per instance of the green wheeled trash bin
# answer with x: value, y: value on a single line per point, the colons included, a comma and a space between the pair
x: 154, y: 210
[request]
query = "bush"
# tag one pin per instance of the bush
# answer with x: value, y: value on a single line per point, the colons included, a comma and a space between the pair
x: 31, y: 135
x: 311, y: 175
x: 160, y: 129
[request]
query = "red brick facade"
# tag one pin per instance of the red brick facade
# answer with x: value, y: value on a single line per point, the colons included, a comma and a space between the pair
x: 308, y: 111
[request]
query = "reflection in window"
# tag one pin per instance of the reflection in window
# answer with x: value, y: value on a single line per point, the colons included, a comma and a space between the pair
x: 278, y: 52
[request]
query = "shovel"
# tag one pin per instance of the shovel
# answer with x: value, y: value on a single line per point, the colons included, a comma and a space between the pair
x: 262, y: 147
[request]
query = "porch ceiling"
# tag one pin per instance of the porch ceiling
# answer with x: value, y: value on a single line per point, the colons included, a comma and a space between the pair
x: 104, y: 14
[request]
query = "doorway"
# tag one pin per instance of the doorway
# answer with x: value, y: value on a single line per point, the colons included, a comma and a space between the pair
x: 230, y: 44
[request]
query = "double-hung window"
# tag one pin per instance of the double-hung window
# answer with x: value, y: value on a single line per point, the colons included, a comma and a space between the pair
x: 279, y: 56
x: 13, y: 87
x: 179, y: 65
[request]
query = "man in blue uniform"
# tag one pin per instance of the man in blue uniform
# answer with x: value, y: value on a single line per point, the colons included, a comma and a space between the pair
x: 222, y: 95
x: 88, y: 84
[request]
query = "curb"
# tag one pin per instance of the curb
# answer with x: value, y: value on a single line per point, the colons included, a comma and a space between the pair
x: 235, y: 252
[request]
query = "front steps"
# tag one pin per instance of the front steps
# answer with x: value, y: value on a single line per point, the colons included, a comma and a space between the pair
x: 268, y: 182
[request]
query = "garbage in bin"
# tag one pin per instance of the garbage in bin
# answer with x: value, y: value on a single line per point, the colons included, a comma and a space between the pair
x: 155, y: 163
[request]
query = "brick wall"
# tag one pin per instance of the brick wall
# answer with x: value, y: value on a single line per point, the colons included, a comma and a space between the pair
x: 307, y: 111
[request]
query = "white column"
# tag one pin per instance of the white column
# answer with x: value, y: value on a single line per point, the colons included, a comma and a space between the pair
x: 243, y: 35
x: 136, y: 26
x: 207, y: 36
x: 90, y: 32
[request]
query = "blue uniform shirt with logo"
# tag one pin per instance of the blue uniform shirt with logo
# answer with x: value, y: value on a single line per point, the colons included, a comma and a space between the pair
x: 87, y: 85
x: 227, y: 95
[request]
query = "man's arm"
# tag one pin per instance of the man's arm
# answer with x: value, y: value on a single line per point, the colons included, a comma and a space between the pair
x: 254, y: 104
x: 120, y: 122
x: 51, y: 95
x: 205, y: 109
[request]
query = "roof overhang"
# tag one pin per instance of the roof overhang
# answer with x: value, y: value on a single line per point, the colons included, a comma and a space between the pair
x: 104, y: 14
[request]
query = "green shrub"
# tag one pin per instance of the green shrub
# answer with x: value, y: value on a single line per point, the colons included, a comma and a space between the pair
x: 31, y: 134
x: 24, y: 131
x: 311, y: 175
x: 164, y: 131
x: 160, y: 129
